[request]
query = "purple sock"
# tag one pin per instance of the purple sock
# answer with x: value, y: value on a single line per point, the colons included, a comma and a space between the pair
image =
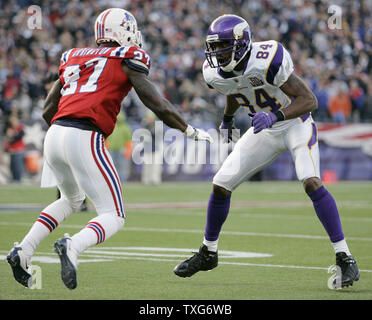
x: 326, y: 210
x: 218, y: 209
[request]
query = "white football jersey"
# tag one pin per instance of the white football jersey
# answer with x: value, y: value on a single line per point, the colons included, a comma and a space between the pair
x: 257, y: 88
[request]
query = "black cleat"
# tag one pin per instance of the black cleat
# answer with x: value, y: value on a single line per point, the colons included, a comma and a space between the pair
x: 68, y: 261
x: 203, y: 260
x: 349, y: 269
x: 20, y: 266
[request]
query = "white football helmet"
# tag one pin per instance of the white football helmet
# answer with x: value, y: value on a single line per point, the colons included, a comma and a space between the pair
x: 117, y: 25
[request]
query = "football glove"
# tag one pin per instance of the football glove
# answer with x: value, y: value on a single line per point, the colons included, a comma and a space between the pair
x: 228, y: 131
x: 198, y: 134
x: 262, y: 120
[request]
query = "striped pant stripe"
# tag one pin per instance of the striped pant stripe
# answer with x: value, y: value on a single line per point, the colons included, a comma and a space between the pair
x: 107, y: 170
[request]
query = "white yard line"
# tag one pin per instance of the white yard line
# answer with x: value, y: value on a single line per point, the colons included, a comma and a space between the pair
x: 102, y: 257
x: 167, y: 230
x: 196, y: 205
x: 243, y: 233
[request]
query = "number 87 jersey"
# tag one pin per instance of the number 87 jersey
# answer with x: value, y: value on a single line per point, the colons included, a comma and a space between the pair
x: 257, y: 88
x: 94, y: 83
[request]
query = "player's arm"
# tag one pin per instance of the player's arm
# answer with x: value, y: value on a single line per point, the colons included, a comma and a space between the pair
x: 304, y: 100
x: 152, y: 99
x: 227, y: 128
x: 51, y: 102
x: 231, y: 106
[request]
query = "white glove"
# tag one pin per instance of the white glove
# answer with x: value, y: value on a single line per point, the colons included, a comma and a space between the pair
x: 197, y: 134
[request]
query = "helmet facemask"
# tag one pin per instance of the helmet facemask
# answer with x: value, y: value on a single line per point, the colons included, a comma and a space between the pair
x: 130, y: 35
x: 225, y: 54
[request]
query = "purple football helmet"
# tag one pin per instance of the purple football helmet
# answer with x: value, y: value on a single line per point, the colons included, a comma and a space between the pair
x: 228, y: 41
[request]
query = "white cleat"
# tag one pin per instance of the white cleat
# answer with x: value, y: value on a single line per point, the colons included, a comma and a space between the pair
x: 20, y: 265
x: 68, y: 257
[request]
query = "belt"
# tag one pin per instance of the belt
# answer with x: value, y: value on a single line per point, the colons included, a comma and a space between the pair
x: 82, y: 123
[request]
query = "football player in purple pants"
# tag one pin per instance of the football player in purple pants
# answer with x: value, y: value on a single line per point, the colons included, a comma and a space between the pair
x: 260, y: 76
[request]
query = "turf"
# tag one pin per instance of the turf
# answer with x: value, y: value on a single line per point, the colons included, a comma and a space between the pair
x: 274, y: 218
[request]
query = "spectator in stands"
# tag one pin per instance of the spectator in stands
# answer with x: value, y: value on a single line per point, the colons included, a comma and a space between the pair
x: 357, y: 97
x: 16, y: 147
x: 174, y: 33
x: 152, y: 167
x: 367, y: 109
x: 340, y: 106
x: 321, y: 92
x: 119, y: 144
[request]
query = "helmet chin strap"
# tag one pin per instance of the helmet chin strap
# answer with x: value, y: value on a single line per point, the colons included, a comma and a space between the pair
x: 230, y: 67
x: 232, y: 64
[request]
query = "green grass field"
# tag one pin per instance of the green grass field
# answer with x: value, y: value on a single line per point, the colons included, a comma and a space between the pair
x: 271, y: 218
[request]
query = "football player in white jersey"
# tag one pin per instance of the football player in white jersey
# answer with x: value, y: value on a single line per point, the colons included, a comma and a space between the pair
x: 260, y: 76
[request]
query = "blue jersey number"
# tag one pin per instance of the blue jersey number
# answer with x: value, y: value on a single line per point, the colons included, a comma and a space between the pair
x: 263, y: 100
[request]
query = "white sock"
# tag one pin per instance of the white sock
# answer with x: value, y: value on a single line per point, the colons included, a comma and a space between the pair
x: 96, y: 231
x: 341, y: 246
x: 37, y: 233
x: 48, y: 220
x: 211, y: 245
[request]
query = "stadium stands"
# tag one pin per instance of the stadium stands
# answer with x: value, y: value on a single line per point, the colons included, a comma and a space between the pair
x: 331, y: 61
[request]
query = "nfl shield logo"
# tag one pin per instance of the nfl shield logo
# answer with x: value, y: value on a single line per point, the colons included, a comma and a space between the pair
x: 255, y: 82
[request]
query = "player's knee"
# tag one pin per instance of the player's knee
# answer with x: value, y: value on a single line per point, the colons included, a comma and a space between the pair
x: 120, y: 222
x: 117, y: 223
x: 312, y: 184
x: 76, y: 204
x: 75, y: 201
x: 220, y: 191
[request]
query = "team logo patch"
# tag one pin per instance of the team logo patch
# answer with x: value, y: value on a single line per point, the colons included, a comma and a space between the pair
x: 255, y: 81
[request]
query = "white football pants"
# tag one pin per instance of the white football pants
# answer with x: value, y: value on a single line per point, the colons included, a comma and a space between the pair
x: 78, y: 163
x: 254, y: 152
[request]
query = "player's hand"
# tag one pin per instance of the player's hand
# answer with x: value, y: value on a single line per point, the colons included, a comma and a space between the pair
x: 229, y: 132
x: 198, y: 134
x: 262, y: 120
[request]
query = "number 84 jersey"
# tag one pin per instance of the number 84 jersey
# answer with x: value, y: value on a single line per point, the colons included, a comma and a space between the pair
x: 94, y: 83
x: 257, y: 88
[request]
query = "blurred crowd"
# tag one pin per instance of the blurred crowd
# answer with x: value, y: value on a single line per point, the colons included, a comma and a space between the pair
x: 337, y: 64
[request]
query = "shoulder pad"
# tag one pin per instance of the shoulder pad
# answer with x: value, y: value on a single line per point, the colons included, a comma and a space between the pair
x: 65, y: 55
x: 134, y: 53
x: 208, y: 73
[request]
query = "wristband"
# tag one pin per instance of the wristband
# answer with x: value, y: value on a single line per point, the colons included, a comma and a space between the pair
x: 280, y: 115
x: 227, y: 118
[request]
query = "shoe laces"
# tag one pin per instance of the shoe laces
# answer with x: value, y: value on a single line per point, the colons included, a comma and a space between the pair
x: 347, y: 259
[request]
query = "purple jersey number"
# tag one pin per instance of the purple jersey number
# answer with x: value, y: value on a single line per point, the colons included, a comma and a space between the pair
x: 263, y: 100
x: 263, y: 54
